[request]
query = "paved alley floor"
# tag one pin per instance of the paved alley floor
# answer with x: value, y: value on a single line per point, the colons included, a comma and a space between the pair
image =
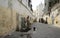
x: 46, y: 31
x: 42, y: 31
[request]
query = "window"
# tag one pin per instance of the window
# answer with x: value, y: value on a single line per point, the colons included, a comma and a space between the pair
x: 29, y: 0
x: 49, y: 4
x: 20, y: 0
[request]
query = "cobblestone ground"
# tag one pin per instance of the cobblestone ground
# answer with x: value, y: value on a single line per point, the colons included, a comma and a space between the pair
x: 43, y: 31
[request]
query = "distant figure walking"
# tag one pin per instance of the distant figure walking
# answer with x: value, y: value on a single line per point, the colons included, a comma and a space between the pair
x: 34, y: 28
x: 42, y: 21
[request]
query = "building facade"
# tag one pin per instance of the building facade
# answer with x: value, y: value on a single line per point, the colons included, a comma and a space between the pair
x: 49, y: 4
x: 53, y: 6
x: 39, y: 11
x: 55, y: 14
x: 11, y: 12
x: 46, y: 5
x: 52, y: 9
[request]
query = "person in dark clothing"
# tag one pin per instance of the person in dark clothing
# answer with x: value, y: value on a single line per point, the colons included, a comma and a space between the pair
x: 34, y: 28
x: 46, y: 21
x: 42, y: 21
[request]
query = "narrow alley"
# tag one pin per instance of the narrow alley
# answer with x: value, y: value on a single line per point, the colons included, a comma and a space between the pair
x: 29, y: 18
x: 42, y: 31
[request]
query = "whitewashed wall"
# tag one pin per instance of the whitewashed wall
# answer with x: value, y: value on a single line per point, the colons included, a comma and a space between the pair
x: 21, y: 9
x: 55, y: 13
x: 8, y: 10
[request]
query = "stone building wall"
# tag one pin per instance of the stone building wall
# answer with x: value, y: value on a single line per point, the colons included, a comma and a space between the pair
x: 55, y: 14
x: 7, y: 20
x: 8, y: 15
